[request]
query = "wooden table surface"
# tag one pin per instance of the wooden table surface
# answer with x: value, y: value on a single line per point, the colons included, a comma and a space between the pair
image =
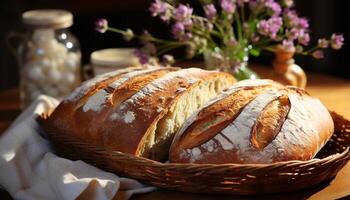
x: 333, y: 92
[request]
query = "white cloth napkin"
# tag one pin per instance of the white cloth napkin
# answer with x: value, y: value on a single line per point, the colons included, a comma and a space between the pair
x: 29, y: 170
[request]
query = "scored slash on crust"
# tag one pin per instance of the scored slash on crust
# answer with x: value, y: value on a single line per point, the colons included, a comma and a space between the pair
x: 262, y: 122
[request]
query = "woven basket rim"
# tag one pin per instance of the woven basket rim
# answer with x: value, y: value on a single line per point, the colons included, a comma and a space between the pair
x: 237, y: 165
x: 43, y: 116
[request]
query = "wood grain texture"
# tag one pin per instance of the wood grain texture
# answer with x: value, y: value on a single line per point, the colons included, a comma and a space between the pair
x: 333, y: 92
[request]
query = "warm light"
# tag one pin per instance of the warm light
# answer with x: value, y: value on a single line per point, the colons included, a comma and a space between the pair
x: 69, y: 45
x: 63, y: 36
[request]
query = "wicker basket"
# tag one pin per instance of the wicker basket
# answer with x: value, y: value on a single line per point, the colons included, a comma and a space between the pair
x: 240, y: 179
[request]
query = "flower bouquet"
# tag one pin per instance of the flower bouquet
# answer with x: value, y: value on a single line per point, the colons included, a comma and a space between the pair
x: 227, y: 33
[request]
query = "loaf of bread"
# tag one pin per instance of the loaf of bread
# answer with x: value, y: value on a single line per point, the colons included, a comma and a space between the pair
x: 136, y: 111
x: 254, y: 121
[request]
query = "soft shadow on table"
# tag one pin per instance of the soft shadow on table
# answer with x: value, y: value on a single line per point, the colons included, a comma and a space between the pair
x: 4, y: 195
x: 173, y: 195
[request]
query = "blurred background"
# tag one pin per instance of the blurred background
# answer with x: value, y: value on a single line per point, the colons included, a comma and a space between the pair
x: 326, y: 17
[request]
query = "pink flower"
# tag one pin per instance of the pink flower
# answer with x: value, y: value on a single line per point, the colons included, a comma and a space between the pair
x: 158, y: 7
x: 318, y: 54
x: 228, y: 6
x: 303, y: 23
x: 178, y: 30
x: 263, y: 27
x: 337, y: 41
x: 270, y: 27
x: 183, y: 14
x: 142, y: 56
x: 186, y: 37
x: 323, y: 43
x: 101, y: 25
x: 304, y: 39
x: 273, y: 7
x: 292, y: 34
x: 287, y: 45
x: 291, y: 18
x: 210, y: 11
x: 161, y: 9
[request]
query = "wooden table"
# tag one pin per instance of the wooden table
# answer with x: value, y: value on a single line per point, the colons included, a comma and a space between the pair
x: 333, y: 92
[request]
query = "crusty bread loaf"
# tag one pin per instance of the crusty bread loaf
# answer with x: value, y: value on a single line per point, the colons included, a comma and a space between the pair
x: 136, y: 111
x: 254, y: 121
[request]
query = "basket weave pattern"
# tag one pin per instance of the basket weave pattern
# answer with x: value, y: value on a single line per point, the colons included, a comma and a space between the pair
x: 240, y: 179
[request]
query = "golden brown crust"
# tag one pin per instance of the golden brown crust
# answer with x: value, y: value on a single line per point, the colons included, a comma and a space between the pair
x: 149, y: 108
x: 257, y: 123
x: 119, y: 113
x: 215, y: 117
x: 270, y: 122
x: 91, y: 86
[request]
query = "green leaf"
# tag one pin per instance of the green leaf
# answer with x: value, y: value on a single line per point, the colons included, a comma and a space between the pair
x: 254, y: 52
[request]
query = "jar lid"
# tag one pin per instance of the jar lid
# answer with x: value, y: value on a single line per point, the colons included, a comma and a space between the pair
x: 48, y: 18
x: 114, y: 57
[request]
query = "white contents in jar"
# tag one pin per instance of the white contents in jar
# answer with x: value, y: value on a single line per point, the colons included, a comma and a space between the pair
x: 36, y: 74
x: 68, y: 78
x: 70, y: 62
x: 50, y: 67
x: 41, y: 36
x: 45, y: 64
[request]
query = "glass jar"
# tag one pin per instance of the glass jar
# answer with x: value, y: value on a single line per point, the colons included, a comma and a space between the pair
x: 49, y: 56
x: 236, y: 65
x: 107, y: 60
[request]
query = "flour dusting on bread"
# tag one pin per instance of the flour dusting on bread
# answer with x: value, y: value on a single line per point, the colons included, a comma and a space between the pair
x: 158, y: 84
x: 96, y: 101
x: 129, y: 76
x: 304, y: 128
x: 236, y: 135
x: 129, y: 117
x: 82, y: 90
x: 138, y: 112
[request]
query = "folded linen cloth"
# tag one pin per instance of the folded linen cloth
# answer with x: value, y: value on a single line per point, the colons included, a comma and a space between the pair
x: 29, y: 170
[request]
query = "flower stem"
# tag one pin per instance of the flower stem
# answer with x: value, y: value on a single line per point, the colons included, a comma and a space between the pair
x: 242, y: 18
x: 262, y: 42
x: 239, y: 27
x: 170, y: 47
x: 310, y: 50
x: 153, y: 39
x: 116, y: 30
